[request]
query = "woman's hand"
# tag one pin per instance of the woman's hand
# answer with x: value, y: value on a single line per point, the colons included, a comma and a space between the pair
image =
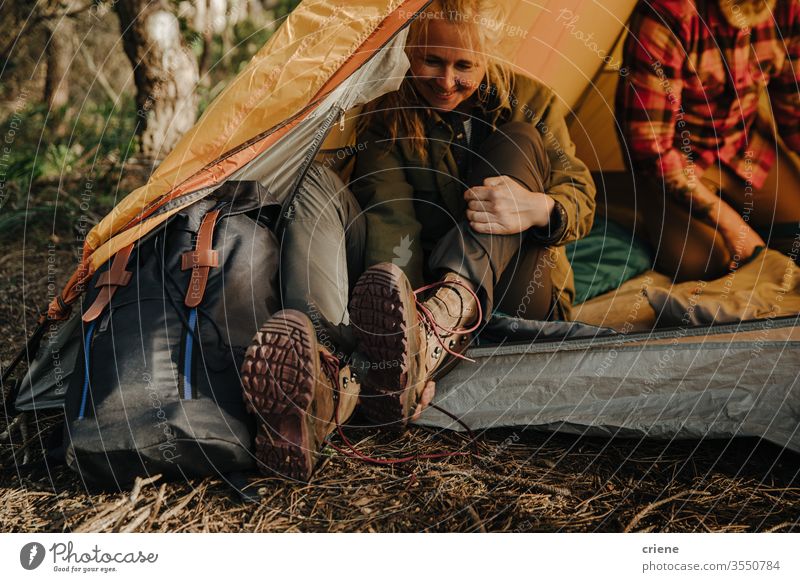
x: 503, y: 206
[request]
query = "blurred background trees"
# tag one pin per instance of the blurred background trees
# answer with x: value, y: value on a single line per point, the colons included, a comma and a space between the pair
x: 164, y: 70
x: 93, y: 93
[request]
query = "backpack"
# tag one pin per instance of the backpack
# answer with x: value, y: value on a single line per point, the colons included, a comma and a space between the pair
x: 165, y: 325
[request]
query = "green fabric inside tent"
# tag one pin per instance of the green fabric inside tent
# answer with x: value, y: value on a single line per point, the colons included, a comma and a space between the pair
x: 606, y: 258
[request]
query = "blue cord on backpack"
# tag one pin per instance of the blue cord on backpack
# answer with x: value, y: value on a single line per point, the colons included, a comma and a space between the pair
x: 187, y: 359
x: 86, y: 360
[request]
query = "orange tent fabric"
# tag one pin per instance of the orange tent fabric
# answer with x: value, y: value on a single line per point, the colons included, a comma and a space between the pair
x: 321, y: 43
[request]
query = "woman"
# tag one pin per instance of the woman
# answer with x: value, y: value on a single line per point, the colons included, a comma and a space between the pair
x: 466, y: 180
x: 714, y: 180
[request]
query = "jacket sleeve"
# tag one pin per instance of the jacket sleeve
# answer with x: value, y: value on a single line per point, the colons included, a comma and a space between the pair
x: 648, y: 99
x: 386, y: 197
x: 571, y: 183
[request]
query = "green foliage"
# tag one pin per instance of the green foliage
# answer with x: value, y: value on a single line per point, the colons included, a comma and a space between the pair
x: 51, y: 144
x: 55, y: 154
x: 59, y: 159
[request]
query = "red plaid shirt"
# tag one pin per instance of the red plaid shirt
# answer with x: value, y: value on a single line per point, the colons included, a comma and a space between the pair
x: 691, y: 94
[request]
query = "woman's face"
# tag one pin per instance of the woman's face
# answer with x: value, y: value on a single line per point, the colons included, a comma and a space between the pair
x: 446, y: 71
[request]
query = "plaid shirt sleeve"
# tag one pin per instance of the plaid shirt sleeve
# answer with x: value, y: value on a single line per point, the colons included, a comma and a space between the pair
x: 648, y: 100
x: 784, y: 89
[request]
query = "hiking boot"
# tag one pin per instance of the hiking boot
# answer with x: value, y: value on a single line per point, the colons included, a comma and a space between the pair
x: 450, y: 315
x: 299, y: 392
x: 407, y: 341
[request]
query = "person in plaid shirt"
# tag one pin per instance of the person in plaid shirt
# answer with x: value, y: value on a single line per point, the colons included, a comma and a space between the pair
x: 713, y: 178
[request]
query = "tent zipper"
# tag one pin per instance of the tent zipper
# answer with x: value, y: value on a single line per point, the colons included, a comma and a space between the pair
x: 315, y: 146
x: 321, y: 134
x: 287, y: 211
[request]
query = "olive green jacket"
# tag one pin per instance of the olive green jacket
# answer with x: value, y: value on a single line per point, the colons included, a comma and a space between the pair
x: 400, y: 193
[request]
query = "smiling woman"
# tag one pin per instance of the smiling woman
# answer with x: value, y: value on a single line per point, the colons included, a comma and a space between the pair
x: 451, y: 67
x: 446, y: 78
x: 467, y: 149
x: 474, y: 166
x: 465, y: 185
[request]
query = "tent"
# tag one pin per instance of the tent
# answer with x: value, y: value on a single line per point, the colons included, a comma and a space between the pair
x: 328, y: 58
x: 300, y: 95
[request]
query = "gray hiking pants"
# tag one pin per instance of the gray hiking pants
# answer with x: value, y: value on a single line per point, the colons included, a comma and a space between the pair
x: 322, y: 248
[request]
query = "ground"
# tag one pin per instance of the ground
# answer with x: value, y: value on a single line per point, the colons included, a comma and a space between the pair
x: 511, y: 480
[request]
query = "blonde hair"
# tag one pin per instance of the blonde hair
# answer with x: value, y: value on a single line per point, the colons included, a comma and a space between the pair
x: 404, y: 111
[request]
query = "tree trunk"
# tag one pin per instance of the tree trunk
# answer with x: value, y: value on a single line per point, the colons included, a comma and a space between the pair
x: 205, y: 56
x: 165, y: 72
x: 200, y: 26
x: 58, y: 52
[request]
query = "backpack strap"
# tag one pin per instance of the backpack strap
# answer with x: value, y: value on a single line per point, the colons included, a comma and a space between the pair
x: 201, y: 259
x: 29, y: 350
x: 108, y: 282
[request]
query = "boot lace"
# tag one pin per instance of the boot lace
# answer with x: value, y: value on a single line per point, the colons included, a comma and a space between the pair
x: 331, y: 366
x: 435, y: 327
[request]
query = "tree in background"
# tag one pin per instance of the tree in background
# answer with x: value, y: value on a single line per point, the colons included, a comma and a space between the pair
x: 78, y: 99
x: 165, y: 73
x: 207, y: 18
x: 90, y: 97
x: 215, y: 25
x: 54, y: 20
x: 57, y: 49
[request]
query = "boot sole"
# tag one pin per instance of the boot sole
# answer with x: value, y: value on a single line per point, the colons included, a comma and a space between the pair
x: 279, y: 380
x: 383, y: 313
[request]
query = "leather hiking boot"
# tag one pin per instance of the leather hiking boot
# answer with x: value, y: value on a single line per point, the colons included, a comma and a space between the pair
x: 450, y: 315
x: 298, y: 391
x: 403, y: 340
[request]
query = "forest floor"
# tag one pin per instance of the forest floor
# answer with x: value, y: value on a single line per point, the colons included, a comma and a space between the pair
x: 513, y: 480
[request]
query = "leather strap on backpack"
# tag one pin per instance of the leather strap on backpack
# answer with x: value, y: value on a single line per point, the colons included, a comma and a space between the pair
x: 108, y: 282
x: 201, y: 260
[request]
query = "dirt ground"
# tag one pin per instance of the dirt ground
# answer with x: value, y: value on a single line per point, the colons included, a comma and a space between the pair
x: 531, y: 482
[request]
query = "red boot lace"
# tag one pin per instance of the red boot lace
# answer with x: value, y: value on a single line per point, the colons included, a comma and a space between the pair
x: 331, y: 367
x: 435, y: 327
